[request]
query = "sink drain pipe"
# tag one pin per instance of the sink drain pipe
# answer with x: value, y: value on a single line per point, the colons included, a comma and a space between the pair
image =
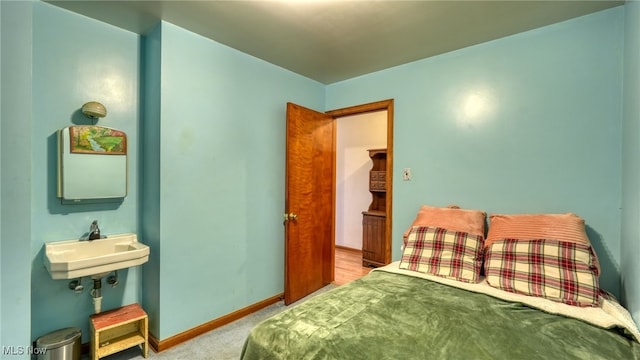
x: 96, y: 294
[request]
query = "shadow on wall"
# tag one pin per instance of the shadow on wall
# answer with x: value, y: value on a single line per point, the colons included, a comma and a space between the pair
x: 610, y: 271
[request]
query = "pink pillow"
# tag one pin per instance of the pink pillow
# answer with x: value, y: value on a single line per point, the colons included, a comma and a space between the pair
x: 565, y: 227
x: 450, y: 218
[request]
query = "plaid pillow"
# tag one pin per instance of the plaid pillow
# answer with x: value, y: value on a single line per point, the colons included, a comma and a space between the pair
x: 446, y: 253
x: 557, y: 270
x: 452, y: 218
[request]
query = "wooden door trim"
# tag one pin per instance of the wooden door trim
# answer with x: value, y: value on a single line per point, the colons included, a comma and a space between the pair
x: 362, y: 109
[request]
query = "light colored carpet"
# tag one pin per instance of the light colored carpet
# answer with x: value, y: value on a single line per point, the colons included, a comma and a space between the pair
x: 223, y: 343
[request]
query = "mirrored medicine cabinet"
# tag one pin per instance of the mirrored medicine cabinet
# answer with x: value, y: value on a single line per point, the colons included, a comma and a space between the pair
x: 92, y: 164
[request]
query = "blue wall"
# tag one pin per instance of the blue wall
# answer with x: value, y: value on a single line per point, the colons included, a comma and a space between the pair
x: 15, y: 158
x: 77, y: 59
x: 528, y: 123
x: 631, y: 162
x: 216, y: 177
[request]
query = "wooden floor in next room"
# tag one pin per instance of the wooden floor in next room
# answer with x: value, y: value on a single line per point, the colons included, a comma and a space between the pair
x: 348, y: 265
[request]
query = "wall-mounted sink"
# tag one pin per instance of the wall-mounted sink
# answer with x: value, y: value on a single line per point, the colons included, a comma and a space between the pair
x: 74, y: 258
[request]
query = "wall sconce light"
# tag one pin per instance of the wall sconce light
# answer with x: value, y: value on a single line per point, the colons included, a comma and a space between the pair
x: 94, y: 110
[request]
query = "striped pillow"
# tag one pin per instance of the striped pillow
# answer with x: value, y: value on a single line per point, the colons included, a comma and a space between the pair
x: 446, y: 253
x: 557, y: 270
x: 566, y: 227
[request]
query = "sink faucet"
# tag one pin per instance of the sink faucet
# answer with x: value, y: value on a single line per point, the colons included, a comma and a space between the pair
x: 94, y: 232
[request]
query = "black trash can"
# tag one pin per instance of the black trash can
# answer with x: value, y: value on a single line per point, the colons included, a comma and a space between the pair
x: 63, y: 344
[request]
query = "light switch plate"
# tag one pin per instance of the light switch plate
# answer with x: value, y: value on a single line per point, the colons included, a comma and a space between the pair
x: 406, y: 174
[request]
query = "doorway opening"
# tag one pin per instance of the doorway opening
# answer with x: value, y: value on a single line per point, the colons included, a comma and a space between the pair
x: 362, y: 131
x: 356, y: 136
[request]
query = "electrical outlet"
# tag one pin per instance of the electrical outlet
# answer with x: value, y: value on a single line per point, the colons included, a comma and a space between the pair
x: 406, y: 174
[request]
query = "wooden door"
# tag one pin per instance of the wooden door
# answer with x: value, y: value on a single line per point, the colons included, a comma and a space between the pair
x: 309, y: 202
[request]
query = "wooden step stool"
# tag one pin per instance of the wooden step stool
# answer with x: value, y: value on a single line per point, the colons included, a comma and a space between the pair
x: 119, y: 329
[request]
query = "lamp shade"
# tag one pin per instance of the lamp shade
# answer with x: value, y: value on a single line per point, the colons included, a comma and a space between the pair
x: 94, y: 109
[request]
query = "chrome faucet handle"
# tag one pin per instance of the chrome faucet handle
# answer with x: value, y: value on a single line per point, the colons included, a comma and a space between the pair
x: 94, y: 230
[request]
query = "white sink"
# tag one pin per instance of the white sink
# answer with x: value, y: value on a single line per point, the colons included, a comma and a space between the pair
x: 96, y: 258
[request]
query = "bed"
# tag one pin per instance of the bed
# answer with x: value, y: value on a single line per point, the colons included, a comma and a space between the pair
x: 433, y: 304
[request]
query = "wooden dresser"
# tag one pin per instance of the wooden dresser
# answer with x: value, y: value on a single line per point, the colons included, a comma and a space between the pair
x: 374, y: 247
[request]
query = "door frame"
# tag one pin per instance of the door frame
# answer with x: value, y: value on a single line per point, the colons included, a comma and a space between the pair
x: 381, y: 105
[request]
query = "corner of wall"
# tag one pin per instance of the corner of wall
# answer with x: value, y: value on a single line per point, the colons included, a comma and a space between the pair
x: 149, y: 169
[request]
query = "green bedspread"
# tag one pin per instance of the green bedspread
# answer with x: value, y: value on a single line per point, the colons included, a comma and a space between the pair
x: 394, y: 316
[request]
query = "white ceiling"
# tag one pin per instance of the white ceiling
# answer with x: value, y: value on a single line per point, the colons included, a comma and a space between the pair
x: 331, y: 41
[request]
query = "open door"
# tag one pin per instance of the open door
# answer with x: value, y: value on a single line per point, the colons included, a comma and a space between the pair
x: 309, y: 202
